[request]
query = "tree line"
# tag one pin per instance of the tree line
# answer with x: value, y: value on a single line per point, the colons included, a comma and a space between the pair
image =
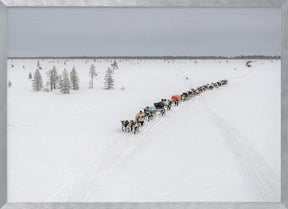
x: 70, y: 81
x: 159, y: 57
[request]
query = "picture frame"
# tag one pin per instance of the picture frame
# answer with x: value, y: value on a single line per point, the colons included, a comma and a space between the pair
x: 144, y: 3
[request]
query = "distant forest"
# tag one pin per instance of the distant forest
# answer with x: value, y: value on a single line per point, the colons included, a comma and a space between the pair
x: 157, y: 57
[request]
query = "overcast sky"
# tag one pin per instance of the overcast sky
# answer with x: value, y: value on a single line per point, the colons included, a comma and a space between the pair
x: 143, y: 31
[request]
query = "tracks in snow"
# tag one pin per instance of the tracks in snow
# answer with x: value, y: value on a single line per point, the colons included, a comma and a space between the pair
x: 99, y: 165
x: 254, y: 171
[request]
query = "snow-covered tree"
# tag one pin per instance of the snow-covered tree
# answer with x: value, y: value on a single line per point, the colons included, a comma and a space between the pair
x: 52, y: 78
x: 37, y: 83
x: 109, y: 82
x: 65, y: 83
x: 92, y: 74
x: 114, y: 66
x: 30, y: 76
x: 74, y: 79
x: 9, y: 84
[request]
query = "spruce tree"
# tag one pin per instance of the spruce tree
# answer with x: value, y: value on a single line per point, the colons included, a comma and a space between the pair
x: 114, y: 66
x: 30, y: 75
x: 74, y: 79
x: 52, y: 78
x: 38, y: 65
x: 37, y: 83
x: 109, y: 82
x: 65, y: 83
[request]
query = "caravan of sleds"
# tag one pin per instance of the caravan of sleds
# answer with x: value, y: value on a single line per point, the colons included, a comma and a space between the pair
x: 164, y: 105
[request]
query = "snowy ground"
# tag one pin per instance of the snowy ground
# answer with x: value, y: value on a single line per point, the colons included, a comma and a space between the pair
x: 223, y: 145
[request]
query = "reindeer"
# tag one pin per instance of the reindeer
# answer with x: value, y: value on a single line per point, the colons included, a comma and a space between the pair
x: 124, y: 125
x: 136, y: 126
x: 163, y: 112
x: 215, y: 85
x: 176, y: 102
x: 184, y: 96
x: 169, y: 105
x: 224, y: 82
x: 193, y: 92
x: 148, y: 115
x: 130, y: 126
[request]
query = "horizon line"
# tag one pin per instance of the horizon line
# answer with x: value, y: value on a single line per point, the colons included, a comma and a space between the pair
x: 149, y: 57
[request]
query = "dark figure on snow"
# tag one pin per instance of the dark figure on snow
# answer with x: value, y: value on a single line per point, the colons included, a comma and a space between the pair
x: 184, y: 96
x: 130, y: 126
x: 224, y: 82
x: 176, y: 102
x: 163, y: 111
x: 169, y: 105
x: 136, y: 127
x: 124, y: 125
x: 148, y: 115
x: 146, y: 109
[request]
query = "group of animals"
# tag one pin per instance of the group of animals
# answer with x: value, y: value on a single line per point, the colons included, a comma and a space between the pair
x: 164, y: 105
x: 201, y: 89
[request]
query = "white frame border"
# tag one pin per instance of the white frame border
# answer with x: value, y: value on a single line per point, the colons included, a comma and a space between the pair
x: 143, y: 3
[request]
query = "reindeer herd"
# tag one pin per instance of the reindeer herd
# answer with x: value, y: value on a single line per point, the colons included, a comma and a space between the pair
x: 165, y: 105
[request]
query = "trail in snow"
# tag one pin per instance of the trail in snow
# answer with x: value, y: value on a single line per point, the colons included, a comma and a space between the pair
x: 255, y: 172
x: 99, y: 164
x: 89, y: 135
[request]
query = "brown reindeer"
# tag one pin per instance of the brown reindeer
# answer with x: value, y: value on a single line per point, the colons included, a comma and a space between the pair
x: 136, y: 126
x: 124, y: 125
x: 130, y: 126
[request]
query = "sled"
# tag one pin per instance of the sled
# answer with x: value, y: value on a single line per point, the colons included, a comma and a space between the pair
x: 176, y: 97
x: 159, y: 105
x: 152, y: 109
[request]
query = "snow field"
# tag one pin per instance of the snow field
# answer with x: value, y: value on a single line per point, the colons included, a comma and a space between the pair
x: 72, y: 145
